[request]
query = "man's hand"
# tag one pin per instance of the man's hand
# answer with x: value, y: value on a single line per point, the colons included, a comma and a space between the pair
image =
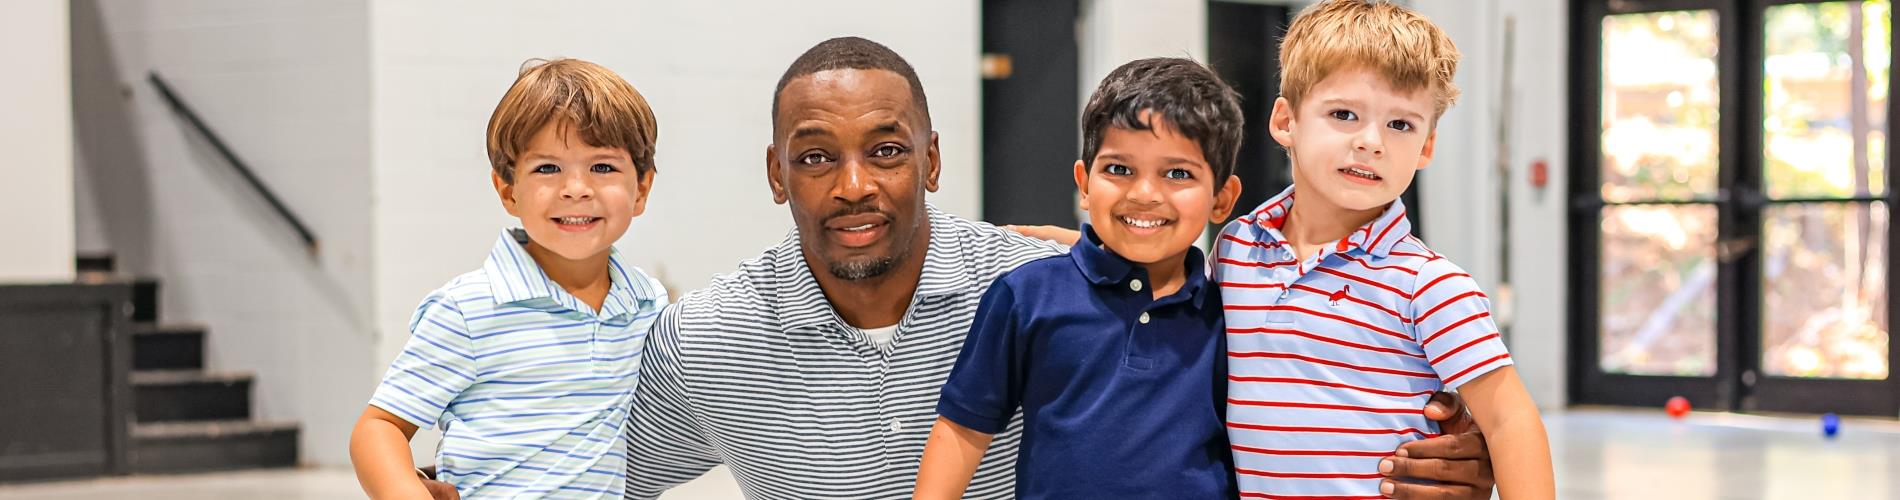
x: 1457, y: 460
x: 437, y: 489
x: 1056, y: 234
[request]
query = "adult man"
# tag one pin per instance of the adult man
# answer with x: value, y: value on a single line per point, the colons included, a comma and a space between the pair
x: 813, y: 370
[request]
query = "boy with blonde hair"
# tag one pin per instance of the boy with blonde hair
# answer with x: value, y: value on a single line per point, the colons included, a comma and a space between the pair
x: 530, y: 362
x: 1340, y: 323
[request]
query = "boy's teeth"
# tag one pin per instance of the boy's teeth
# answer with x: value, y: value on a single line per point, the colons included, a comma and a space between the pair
x: 575, y: 221
x: 1143, y: 223
x: 1360, y: 172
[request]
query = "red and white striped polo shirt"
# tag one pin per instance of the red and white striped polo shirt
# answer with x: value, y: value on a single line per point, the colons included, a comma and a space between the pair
x: 1331, y: 359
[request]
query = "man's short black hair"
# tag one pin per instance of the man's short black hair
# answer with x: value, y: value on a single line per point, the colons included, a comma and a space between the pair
x: 851, y: 52
x: 1181, y: 91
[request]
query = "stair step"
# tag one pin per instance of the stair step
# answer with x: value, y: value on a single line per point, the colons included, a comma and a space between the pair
x: 94, y: 263
x: 168, y: 347
x: 211, y: 445
x: 171, y: 395
x: 144, y: 300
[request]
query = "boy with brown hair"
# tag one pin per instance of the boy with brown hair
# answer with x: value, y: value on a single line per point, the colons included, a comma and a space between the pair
x: 530, y: 362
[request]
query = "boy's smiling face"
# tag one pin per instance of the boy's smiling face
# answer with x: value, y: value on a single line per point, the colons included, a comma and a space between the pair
x: 1150, y: 193
x: 1355, y: 142
x: 575, y: 200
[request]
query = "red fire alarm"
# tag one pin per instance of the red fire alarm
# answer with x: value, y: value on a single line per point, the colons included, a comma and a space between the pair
x: 1540, y: 173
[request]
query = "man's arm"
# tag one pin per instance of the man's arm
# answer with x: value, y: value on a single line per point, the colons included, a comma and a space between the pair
x: 665, y: 447
x: 1457, y: 460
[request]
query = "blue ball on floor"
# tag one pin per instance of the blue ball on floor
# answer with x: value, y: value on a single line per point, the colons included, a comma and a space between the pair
x: 1830, y: 425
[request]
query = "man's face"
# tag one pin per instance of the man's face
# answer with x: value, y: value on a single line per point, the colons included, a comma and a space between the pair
x: 853, y: 157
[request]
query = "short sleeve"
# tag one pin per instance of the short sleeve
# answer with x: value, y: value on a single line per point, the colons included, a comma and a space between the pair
x: 435, y: 366
x: 1452, y: 322
x: 985, y: 386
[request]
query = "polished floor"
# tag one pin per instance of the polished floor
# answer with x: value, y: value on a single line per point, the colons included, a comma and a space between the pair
x: 1600, y: 454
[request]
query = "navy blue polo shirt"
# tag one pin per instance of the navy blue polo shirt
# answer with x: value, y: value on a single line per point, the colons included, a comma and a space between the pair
x: 1122, y: 394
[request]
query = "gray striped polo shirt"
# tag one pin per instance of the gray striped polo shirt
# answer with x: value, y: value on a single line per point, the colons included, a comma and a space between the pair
x: 758, y: 372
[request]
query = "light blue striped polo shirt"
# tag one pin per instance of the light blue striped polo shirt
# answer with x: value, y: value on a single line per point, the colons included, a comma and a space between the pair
x: 530, y: 385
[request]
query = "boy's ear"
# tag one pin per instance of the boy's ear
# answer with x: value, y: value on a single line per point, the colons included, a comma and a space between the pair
x: 1082, y: 183
x: 1225, y: 199
x: 506, y: 191
x: 1431, y: 142
x: 772, y: 178
x: 1280, y: 125
x: 644, y: 188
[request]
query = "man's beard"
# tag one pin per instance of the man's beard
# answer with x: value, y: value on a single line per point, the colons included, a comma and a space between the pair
x: 862, y: 269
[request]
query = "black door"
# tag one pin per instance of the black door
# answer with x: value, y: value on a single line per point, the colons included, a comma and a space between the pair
x: 1730, y: 204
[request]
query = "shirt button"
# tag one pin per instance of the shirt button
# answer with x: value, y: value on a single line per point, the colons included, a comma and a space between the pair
x: 1135, y: 285
x: 896, y: 426
x: 1144, y: 318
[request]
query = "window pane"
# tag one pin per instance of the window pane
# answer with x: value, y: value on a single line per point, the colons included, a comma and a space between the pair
x: 1824, y: 280
x: 1660, y: 99
x: 1825, y: 131
x: 1658, y: 290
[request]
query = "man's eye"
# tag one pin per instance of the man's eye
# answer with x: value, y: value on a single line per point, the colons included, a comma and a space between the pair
x: 547, y: 169
x: 813, y: 159
x: 1117, y: 169
x: 1340, y: 114
x: 602, y: 168
x: 1400, y: 125
x: 887, y: 151
x: 1179, y: 174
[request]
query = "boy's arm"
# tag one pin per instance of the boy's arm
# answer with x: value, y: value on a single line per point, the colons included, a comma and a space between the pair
x: 379, y: 449
x: 433, y: 369
x: 950, y: 458
x: 1519, y: 447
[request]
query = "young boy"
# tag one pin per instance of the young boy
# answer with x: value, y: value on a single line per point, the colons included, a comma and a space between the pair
x: 529, y: 363
x: 1340, y: 324
x: 1113, y: 352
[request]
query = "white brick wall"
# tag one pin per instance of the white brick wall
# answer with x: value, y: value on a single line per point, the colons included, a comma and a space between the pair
x: 287, y: 85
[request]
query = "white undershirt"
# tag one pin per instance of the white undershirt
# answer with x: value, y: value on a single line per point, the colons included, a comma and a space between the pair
x: 881, y: 337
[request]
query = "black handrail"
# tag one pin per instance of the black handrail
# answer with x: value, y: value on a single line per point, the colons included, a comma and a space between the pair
x: 309, y: 240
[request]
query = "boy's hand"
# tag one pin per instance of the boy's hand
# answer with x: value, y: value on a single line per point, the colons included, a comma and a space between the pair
x: 1056, y: 234
x: 1457, y: 459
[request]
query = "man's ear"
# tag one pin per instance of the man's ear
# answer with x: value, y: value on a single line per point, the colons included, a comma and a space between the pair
x: 1082, y: 183
x: 935, y: 165
x: 1280, y: 125
x: 772, y: 178
x: 1225, y: 199
x: 1431, y: 143
x: 506, y: 191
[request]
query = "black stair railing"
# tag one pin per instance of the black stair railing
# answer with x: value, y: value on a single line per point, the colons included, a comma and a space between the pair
x: 243, y: 170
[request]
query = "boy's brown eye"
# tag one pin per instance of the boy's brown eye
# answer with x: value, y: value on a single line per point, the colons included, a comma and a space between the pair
x: 1341, y: 114
x: 1400, y: 125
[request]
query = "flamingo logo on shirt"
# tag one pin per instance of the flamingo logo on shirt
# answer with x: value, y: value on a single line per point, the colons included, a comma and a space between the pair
x: 1338, y: 295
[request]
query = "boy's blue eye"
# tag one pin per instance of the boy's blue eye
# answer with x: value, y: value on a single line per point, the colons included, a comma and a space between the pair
x: 1117, y: 169
x: 1400, y: 125
x: 602, y: 168
x: 1340, y: 114
x: 547, y: 169
x: 1179, y: 174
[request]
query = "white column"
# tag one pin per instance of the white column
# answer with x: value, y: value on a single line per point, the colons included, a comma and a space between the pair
x: 36, y: 132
